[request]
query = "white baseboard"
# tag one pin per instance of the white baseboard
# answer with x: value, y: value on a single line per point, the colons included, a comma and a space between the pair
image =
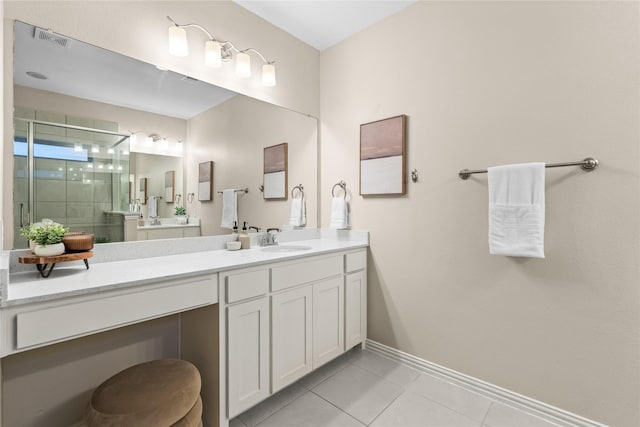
x: 508, y: 397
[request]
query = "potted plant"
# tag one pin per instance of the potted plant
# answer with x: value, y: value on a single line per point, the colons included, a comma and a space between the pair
x: 181, y: 215
x: 46, y: 236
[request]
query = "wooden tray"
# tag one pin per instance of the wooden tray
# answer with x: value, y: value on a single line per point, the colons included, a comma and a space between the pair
x: 43, y: 261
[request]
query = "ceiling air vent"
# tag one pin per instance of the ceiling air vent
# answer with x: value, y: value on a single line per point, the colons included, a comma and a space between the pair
x: 50, y: 36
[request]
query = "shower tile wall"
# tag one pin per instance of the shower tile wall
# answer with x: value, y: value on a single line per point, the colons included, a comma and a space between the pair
x: 68, y: 191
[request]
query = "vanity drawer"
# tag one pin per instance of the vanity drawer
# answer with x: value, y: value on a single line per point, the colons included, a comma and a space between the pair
x: 356, y: 261
x: 247, y: 285
x: 67, y: 321
x: 293, y: 274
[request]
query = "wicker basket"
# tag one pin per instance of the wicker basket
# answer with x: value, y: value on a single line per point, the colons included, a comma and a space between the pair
x: 78, y: 242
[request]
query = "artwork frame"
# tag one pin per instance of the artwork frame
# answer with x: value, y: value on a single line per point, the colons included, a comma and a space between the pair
x: 383, y: 160
x: 142, y: 191
x: 169, y: 186
x: 275, y: 168
x: 205, y: 181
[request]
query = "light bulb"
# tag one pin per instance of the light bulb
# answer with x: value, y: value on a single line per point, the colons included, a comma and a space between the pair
x: 148, y: 142
x: 77, y: 148
x: 164, y: 144
x: 243, y: 65
x: 179, y: 147
x: 110, y: 167
x: 110, y: 151
x: 269, y: 75
x: 95, y: 149
x: 178, y: 41
x: 212, y: 54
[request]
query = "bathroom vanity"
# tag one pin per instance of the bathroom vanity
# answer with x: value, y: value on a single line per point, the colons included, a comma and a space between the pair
x: 252, y: 321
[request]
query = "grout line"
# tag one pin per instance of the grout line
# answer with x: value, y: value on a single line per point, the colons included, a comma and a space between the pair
x: 487, y: 413
x: 279, y: 409
x: 338, y: 408
x: 386, y: 407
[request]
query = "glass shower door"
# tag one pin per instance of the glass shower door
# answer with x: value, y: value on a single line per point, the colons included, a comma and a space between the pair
x: 74, y: 176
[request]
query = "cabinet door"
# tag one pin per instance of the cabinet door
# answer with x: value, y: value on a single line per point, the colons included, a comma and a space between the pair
x: 248, y: 354
x: 355, y: 308
x: 291, y: 336
x: 328, y: 320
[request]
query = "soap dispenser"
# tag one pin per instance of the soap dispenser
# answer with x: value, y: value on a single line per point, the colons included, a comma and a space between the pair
x: 245, y: 240
x: 235, y: 228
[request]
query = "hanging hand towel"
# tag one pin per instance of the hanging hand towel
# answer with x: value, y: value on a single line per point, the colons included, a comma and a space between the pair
x: 229, y: 208
x: 516, y: 210
x: 298, y: 215
x: 152, y: 210
x: 339, y: 213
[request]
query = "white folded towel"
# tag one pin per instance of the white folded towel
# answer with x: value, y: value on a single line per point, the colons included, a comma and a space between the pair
x: 229, y: 208
x: 152, y: 209
x: 516, y: 210
x: 298, y: 215
x: 339, y: 213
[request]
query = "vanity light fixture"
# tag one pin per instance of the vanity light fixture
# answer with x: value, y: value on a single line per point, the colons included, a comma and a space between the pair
x: 164, y: 144
x: 216, y: 52
x: 179, y: 146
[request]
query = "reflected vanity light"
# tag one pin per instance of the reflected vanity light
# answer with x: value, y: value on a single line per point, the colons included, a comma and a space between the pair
x: 179, y: 148
x: 95, y: 149
x: 110, y: 151
x: 216, y: 52
x: 77, y: 147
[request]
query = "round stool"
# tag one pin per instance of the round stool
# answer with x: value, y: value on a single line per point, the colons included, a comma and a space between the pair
x: 160, y: 393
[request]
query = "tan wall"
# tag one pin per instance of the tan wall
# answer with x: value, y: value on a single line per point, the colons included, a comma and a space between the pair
x: 233, y: 135
x: 488, y: 83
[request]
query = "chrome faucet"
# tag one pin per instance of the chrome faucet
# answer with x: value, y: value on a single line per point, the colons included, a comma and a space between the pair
x: 154, y: 220
x: 269, y: 239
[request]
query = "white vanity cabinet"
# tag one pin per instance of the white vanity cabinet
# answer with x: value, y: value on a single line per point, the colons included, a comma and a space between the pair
x: 248, y: 338
x: 328, y: 320
x: 316, y: 310
x: 291, y: 336
x: 355, y: 291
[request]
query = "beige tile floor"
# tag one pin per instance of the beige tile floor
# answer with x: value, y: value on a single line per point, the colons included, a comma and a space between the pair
x: 362, y: 388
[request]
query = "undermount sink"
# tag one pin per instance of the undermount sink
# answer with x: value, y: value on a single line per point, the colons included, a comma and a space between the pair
x: 286, y: 248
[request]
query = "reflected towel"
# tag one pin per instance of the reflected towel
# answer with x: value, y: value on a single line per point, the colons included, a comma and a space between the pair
x: 229, y: 208
x: 298, y: 215
x: 152, y: 209
x: 516, y: 210
x: 339, y: 213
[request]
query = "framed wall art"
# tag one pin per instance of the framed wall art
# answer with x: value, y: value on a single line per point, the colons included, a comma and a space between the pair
x: 205, y: 181
x: 275, y: 172
x: 169, y: 186
x: 383, y: 157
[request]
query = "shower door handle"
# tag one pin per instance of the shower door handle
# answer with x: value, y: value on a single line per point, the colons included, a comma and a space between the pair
x: 21, y: 215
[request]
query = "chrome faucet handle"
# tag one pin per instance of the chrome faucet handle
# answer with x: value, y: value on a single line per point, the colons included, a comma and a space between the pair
x: 253, y: 227
x: 273, y: 229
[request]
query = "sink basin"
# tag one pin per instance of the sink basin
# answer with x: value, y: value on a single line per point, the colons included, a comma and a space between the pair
x: 286, y: 248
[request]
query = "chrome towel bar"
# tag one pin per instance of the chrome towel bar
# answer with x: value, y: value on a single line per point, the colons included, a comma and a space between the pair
x: 587, y: 164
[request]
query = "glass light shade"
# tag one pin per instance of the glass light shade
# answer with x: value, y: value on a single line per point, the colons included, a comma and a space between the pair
x: 77, y: 148
x: 148, y: 142
x: 243, y: 65
x: 268, y: 75
x: 212, y: 54
x: 133, y: 139
x: 110, y: 151
x: 179, y: 147
x: 178, y: 41
x: 95, y: 149
x: 164, y: 144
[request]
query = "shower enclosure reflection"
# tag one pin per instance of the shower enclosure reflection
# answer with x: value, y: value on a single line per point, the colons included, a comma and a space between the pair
x: 74, y: 175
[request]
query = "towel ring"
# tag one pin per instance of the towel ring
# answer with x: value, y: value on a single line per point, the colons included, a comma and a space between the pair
x: 298, y: 187
x: 341, y: 184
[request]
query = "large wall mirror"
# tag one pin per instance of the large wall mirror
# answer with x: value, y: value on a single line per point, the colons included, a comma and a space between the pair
x: 93, y: 123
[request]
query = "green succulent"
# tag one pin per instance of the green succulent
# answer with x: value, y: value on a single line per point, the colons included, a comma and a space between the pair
x: 180, y: 211
x: 44, y: 234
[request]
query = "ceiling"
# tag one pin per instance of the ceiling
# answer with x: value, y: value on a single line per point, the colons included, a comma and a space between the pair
x: 323, y: 23
x: 86, y: 71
